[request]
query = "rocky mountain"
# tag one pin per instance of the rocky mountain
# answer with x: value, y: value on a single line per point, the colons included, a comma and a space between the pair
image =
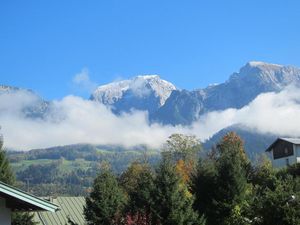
x: 29, y: 103
x: 168, y: 105
x: 184, y: 107
x: 142, y: 93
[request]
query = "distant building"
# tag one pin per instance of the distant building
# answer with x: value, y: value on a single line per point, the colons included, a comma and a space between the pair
x: 285, y: 152
x: 70, y: 207
x: 13, y: 199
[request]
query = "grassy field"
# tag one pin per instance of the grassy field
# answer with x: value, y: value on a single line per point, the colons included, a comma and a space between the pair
x: 65, y: 166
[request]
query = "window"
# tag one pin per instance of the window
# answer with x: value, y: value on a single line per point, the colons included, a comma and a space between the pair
x: 287, y: 162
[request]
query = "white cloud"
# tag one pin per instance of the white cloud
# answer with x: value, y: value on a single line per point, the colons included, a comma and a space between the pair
x: 139, y: 88
x: 276, y: 113
x: 84, y: 122
x: 83, y: 82
x: 90, y: 122
x: 14, y: 102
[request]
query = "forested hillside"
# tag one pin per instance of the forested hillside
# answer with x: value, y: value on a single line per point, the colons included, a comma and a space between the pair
x: 70, y: 170
x: 223, y: 188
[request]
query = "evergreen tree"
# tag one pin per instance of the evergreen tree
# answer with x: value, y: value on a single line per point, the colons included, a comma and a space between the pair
x: 204, y: 186
x: 277, y: 195
x: 221, y: 185
x: 23, y: 218
x: 232, y: 177
x: 105, y: 204
x: 6, y: 173
x: 137, y: 181
x: 172, y: 203
x: 130, y: 178
x: 280, y: 206
x: 263, y: 176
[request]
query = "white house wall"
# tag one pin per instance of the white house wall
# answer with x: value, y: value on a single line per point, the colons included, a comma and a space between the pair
x: 5, y: 213
x: 278, y: 163
x: 297, y: 149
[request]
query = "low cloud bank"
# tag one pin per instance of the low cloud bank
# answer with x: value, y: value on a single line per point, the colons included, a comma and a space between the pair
x: 276, y: 113
x: 84, y: 121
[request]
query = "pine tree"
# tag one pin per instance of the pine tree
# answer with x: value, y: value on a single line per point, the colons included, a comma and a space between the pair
x: 232, y: 176
x: 220, y: 185
x: 105, y: 204
x: 172, y: 203
x: 204, y: 185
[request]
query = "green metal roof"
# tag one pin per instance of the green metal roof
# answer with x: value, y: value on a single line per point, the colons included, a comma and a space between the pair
x: 17, y: 198
x: 69, y: 207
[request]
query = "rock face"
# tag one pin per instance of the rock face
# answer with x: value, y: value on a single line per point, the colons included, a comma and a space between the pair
x: 168, y: 105
x: 142, y: 93
x: 184, y: 107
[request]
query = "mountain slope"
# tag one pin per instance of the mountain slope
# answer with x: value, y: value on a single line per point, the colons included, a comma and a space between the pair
x: 184, y: 107
x: 142, y: 93
x: 255, y: 143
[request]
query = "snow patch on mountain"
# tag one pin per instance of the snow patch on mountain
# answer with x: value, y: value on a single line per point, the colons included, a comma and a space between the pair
x: 263, y: 64
x: 140, y: 86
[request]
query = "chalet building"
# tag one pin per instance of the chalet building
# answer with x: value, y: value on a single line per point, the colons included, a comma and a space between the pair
x: 13, y: 199
x: 285, y: 152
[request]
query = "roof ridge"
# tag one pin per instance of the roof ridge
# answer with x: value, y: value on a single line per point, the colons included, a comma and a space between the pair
x: 27, y: 197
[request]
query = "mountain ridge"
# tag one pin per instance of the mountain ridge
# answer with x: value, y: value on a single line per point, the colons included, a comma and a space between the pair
x: 239, y: 90
x: 147, y: 92
x: 169, y: 105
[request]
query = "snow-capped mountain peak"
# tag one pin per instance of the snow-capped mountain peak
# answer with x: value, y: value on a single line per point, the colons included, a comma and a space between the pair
x: 109, y: 93
x: 263, y: 64
x: 137, y: 89
x: 268, y: 73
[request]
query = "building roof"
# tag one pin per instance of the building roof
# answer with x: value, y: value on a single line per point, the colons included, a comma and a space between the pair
x: 295, y: 141
x: 19, y: 200
x: 71, y: 207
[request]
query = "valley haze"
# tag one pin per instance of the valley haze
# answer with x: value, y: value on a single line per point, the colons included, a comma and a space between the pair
x: 145, y: 110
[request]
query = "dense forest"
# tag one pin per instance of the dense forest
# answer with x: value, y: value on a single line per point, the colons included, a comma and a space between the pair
x: 224, y: 188
x: 180, y: 186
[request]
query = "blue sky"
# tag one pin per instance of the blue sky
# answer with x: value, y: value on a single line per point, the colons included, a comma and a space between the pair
x: 44, y: 44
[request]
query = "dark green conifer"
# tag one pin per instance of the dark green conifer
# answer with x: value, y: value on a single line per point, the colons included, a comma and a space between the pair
x: 172, y: 201
x: 6, y: 173
x: 137, y: 181
x: 221, y: 183
x: 105, y: 204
